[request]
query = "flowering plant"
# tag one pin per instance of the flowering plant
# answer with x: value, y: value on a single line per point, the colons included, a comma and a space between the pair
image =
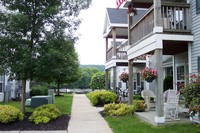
x: 191, y: 93
x: 124, y: 76
x: 149, y: 74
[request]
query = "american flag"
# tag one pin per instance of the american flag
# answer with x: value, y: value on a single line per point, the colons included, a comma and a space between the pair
x: 119, y: 3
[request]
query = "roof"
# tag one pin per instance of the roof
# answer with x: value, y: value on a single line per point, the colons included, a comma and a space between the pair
x: 117, y: 16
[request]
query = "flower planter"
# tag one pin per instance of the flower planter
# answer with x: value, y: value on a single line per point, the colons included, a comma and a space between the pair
x: 149, y: 80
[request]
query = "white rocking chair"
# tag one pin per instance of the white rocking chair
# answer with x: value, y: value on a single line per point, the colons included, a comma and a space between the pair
x: 149, y: 98
x: 171, y: 105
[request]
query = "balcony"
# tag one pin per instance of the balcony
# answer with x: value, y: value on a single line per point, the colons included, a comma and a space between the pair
x: 175, y: 20
x: 121, y: 53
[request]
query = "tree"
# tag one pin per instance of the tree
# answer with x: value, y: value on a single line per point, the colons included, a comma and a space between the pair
x: 58, y: 62
x: 98, y: 81
x: 24, y: 26
x: 84, y: 81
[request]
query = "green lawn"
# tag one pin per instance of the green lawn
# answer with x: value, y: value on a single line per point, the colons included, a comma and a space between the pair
x: 132, y: 124
x: 63, y: 102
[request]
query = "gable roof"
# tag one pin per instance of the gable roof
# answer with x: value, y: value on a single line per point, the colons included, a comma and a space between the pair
x: 117, y: 16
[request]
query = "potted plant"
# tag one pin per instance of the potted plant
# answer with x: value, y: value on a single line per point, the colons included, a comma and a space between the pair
x: 124, y: 76
x: 149, y: 74
x: 191, y: 93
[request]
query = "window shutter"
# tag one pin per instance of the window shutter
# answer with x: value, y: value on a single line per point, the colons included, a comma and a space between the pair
x: 198, y: 62
x: 197, y: 6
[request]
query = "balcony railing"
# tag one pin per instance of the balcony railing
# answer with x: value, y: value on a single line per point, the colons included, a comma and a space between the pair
x: 175, y: 19
x: 143, y: 26
x: 120, y: 54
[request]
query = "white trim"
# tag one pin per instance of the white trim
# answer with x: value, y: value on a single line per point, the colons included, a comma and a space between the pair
x: 157, y: 29
x: 174, y: 37
x: 158, y: 119
x: 144, y: 46
x: 114, y: 62
x: 154, y: 42
x: 116, y: 25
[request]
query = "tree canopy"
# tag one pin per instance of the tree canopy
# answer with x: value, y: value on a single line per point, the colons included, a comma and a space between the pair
x: 26, y: 27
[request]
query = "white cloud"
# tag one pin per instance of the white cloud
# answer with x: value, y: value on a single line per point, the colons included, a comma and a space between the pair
x: 91, y: 45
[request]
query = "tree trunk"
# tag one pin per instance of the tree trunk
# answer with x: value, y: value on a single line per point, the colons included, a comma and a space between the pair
x: 58, y: 89
x: 23, y: 97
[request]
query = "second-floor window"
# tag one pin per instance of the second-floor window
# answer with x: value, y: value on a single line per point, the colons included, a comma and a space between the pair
x: 197, y: 6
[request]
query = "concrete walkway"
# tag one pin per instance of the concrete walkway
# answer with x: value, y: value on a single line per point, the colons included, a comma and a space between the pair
x: 86, y: 118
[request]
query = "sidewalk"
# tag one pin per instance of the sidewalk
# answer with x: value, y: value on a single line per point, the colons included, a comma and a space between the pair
x: 85, y: 118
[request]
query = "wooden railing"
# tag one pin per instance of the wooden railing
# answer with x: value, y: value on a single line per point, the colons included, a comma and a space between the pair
x: 143, y: 26
x: 109, y: 54
x: 175, y: 18
x: 121, y: 54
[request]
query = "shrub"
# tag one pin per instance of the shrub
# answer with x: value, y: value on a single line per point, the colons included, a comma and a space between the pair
x: 38, y: 90
x: 138, y: 97
x: 168, y: 83
x: 44, y: 113
x: 98, y: 81
x: 102, y: 97
x: 139, y: 105
x: 120, y: 109
x: 10, y: 114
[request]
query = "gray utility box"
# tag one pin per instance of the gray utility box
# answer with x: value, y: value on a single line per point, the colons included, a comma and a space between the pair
x: 40, y: 100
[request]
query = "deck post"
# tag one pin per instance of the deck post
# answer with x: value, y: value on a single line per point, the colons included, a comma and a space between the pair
x: 106, y: 83
x: 114, y: 43
x: 114, y: 79
x: 106, y: 48
x: 130, y: 82
x: 159, y: 118
x: 158, y: 24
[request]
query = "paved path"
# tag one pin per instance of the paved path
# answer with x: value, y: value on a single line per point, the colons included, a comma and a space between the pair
x: 85, y: 118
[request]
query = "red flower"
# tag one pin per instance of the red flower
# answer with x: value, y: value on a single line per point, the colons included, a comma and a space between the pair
x: 124, y: 76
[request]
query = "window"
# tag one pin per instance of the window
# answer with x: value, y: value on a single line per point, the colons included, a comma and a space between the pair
x: 1, y: 87
x: 197, y: 6
x: 1, y: 83
x: 198, y: 62
x: 180, y: 73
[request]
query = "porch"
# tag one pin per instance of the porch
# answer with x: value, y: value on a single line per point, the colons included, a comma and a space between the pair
x: 148, y: 117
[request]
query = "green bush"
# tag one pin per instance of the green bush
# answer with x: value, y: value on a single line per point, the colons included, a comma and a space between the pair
x: 168, y: 83
x: 10, y: 114
x: 139, y: 105
x: 98, y: 81
x: 138, y: 97
x: 120, y: 109
x: 102, y: 97
x: 38, y: 90
x: 44, y: 113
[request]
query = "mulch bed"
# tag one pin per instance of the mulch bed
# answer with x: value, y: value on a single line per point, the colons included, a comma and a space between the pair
x: 60, y: 123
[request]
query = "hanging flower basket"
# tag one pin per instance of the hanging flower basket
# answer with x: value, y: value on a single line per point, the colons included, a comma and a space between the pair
x: 124, y: 77
x: 149, y: 74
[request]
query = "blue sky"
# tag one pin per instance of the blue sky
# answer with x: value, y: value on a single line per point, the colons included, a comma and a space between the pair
x: 91, y: 45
